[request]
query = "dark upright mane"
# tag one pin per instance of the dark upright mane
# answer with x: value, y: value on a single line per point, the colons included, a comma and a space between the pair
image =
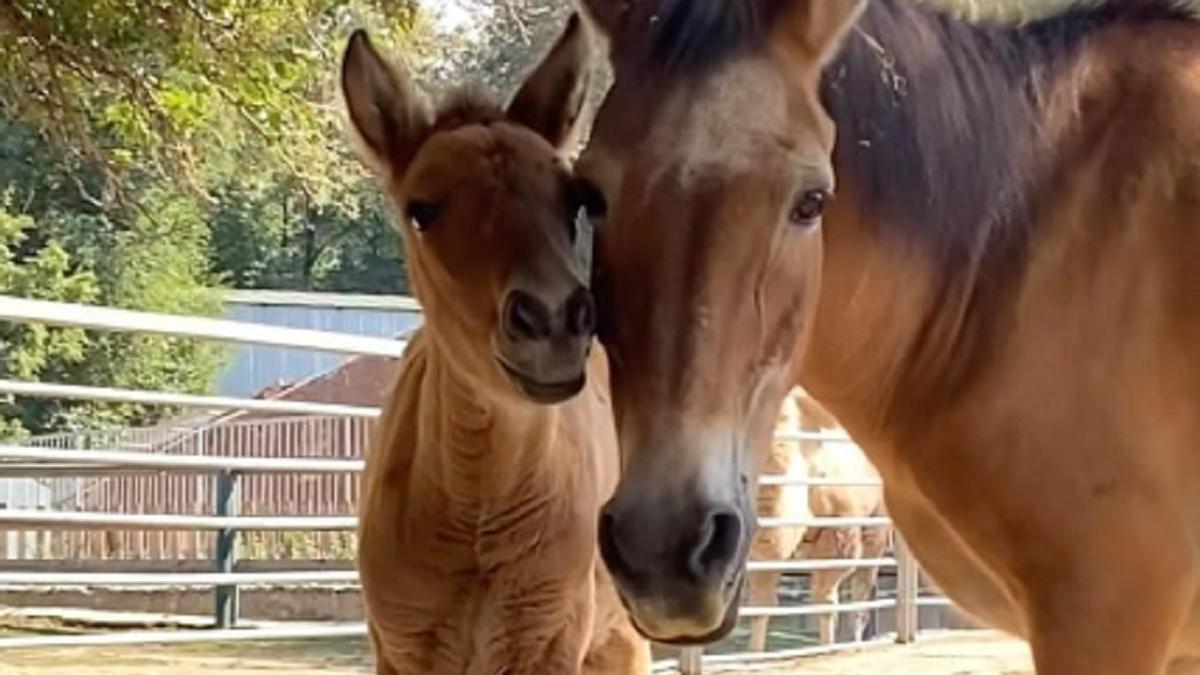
x: 938, y: 119
x: 687, y: 34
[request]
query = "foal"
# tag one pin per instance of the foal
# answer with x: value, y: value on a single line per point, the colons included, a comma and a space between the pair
x: 477, y: 534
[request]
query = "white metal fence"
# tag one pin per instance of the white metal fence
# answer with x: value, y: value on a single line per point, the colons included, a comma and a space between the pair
x: 227, y: 521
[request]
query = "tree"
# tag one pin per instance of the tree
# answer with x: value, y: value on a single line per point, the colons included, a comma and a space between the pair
x: 29, y: 351
x: 233, y: 102
x: 152, y: 149
x: 507, y: 41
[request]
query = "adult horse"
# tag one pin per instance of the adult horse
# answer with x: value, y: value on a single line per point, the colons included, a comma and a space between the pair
x: 1001, y: 305
x: 832, y: 461
x: 495, y: 450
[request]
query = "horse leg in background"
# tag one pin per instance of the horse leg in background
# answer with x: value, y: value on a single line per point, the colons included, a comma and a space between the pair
x: 825, y: 591
x: 832, y: 543
x: 862, y: 589
x: 763, y: 591
x: 863, y: 580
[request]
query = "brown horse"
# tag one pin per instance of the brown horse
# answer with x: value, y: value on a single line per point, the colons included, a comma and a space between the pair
x: 477, y: 532
x: 823, y: 460
x: 1001, y: 305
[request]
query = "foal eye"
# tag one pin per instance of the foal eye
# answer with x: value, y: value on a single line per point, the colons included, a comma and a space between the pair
x: 808, y: 207
x: 422, y: 214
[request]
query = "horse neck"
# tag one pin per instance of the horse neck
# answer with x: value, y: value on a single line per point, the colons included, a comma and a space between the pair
x: 917, y: 259
x: 893, y: 338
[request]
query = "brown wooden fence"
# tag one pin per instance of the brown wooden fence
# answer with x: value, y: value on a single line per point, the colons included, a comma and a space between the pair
x: 193, y: 494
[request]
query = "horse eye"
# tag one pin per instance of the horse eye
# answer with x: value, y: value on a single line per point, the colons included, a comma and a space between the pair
x: 808, y: 207
x: 423, y: 214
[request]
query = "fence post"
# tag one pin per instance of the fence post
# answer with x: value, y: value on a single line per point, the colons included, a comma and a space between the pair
x: 690, y: 661
x: 226, y: 597
x: 907, y: 588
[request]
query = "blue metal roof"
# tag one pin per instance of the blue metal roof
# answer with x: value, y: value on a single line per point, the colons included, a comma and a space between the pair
x: 255, y: 367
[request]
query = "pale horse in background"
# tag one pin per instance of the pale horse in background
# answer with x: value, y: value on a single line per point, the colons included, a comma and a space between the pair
x: 830, y: 460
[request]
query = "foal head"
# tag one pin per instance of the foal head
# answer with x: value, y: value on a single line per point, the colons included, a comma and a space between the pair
x: 713, y: 154
x: 487, y: 214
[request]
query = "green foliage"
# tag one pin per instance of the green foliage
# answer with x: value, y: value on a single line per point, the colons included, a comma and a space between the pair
x: 510, y: 39
x: 29, y: 351
x: 154, y: 265
x: 231, y: 101
x: 151, y: 150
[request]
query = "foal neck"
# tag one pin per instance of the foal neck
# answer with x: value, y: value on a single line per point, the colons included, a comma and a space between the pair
x: 483, y: 423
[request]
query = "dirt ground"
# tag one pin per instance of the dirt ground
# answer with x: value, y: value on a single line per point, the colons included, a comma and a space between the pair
x: 973, y: 653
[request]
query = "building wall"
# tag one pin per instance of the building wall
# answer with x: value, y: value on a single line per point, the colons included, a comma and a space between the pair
x: 252, y: 368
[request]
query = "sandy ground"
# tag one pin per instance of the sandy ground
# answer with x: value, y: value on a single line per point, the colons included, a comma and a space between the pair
x: 974, y: 653
x: 966, y: 653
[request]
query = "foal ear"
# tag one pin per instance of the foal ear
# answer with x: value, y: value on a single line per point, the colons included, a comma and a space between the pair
x: 818, y: 27
x: 390, y: 115
x: 551, y: 99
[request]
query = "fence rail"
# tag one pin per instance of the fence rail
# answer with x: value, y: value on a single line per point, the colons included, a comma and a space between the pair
x: 143, y: 460
x: 208, y: 469
x: 114, y: 395
x: 21, y: 310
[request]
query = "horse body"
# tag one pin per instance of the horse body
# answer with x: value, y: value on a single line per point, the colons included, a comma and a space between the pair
x: 477, y: 525
x: 827, y: 460
x: 1079, y: 489
x: 999, y: 306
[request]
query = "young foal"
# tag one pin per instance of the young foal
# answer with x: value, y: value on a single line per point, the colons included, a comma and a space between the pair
x: 478, y: 519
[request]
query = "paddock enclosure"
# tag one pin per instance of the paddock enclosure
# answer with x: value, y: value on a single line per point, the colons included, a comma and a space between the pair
x: 231, y: 529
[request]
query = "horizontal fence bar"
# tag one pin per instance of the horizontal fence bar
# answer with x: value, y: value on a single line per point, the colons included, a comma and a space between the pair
x: 824, y: 608
x: 286, y: 578
x: 281, y: 578
x: 148, y: 460
x: 109, y: 319
x: 823, y: 436
x: 323, y: 300
x: 784, y: 479
x: 67, y: 520
x: 143, y: 637
x: 135, y: 459
x: 931, y: 601
x: 872, y: 521
x: 58, y: 470
x: 73, y: 519
x: 758, y: 658
x: 115, y: 395
x: 817, y: 564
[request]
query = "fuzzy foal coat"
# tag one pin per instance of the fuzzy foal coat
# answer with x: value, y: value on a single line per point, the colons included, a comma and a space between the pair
x: 478, y: 529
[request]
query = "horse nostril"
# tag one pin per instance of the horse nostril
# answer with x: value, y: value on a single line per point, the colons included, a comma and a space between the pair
x: 525, y: 317
x: 581, y: 313
x: 717, y: 547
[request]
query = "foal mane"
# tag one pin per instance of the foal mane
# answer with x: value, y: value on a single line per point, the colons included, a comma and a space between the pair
x: 465, y: 105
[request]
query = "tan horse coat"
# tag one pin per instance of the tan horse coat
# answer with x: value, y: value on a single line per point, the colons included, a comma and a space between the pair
x: 824, y: 460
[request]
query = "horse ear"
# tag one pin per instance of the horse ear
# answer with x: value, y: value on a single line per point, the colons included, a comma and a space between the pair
x: 551, y: 100
x: 389, y: 115
x: 818, y: 27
